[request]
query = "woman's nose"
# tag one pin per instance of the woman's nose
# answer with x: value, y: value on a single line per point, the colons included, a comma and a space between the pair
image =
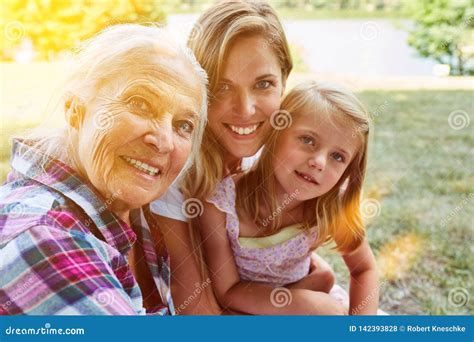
x: 245, y: 105
x: 318, y: 161
x: 161, y: 137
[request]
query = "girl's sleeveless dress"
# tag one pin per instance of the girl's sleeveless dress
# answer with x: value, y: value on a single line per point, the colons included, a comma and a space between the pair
x: 277, y: 260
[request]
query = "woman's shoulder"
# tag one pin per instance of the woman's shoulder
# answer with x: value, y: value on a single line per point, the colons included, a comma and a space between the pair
x: 224, y: 195
x: 33, y: 204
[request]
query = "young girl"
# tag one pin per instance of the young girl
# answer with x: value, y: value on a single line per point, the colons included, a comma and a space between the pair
x: 260, y: 228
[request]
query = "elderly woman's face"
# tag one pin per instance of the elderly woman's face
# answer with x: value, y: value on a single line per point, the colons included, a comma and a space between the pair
x: 137, y: 132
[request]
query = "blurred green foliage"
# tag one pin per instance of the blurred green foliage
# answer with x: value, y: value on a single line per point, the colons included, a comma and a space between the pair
x: 444, y: 30
x: 54, y: 26
x: 368, y: 5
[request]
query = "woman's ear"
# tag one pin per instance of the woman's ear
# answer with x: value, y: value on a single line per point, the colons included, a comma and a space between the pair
x: 74, y: 110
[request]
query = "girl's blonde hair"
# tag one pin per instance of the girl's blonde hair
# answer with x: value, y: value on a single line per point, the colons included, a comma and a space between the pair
x: 336, y: 213
x: 216, y: 30
x: 104, y: 56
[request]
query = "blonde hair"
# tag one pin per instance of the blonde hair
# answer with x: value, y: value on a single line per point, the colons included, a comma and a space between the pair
x: 106, y: 55
x: 218, y: 28
x: 336, y: 213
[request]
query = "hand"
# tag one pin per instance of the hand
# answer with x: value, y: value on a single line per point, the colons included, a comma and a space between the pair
x: 320, y: 277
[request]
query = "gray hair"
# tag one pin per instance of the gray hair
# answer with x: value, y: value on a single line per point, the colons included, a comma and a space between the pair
x: 103, y: 55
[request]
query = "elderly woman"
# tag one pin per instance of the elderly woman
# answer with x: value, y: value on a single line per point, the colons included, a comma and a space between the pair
x: 75, y: 225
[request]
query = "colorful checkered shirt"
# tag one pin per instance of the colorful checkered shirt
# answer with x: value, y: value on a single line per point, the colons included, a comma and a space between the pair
x: 63, y: 252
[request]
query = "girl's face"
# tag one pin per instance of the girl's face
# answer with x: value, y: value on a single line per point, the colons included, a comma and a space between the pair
x: 137, y: 131
x: 312, y: 154
x: 249, y: 92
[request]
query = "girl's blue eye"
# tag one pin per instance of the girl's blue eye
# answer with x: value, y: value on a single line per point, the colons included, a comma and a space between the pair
x: 263, y: 84
x: 185, y: 127
x: 307, y: 140
x: 338, y: 157
x: 139, y: 104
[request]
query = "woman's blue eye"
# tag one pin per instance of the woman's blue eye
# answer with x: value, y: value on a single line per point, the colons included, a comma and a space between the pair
x: 137, y: 103
x: 264, y: 84
x: 307, y: 140
x: 186, y: 127
x: 338, y: 157
x: 223, y: 87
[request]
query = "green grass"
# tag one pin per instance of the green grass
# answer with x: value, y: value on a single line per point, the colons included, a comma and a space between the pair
x: 421, y: 172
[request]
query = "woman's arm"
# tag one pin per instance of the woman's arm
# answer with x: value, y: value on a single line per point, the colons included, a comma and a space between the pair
x: 250, y: 297
x: 364, y: 284
x: 192, y: 295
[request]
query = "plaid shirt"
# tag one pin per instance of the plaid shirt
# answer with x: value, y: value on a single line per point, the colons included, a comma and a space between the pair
x: 63, y: 252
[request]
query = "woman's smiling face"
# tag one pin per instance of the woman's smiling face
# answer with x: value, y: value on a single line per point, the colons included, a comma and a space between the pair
x: 137, y: 131
x: 250, y: 90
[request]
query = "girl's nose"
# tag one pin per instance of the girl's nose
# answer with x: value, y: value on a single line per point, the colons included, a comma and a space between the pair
x: 160, y: 137
x: 318, y: 161
x: 245, y: 106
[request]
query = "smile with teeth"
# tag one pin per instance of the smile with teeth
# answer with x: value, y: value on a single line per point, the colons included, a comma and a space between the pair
x: 307, y: 177
x: 144, y: 167
x: 244, y: 130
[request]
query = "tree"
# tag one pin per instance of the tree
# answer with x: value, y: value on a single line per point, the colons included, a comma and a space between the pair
x: 444, y: 30
x: 54, y: 26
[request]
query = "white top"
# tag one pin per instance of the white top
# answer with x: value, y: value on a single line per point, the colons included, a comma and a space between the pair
x: 171, y: 203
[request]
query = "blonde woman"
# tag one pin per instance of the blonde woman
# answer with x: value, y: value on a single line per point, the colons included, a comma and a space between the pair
x: 259, y: 229
x: 74, y: 215
x: 243, y: 48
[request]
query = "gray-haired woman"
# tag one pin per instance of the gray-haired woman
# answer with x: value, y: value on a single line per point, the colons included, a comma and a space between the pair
x: 74, y: 219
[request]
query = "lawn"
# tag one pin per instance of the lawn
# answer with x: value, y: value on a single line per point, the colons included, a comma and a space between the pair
x: 419, y: 197
x: 418, y: 194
